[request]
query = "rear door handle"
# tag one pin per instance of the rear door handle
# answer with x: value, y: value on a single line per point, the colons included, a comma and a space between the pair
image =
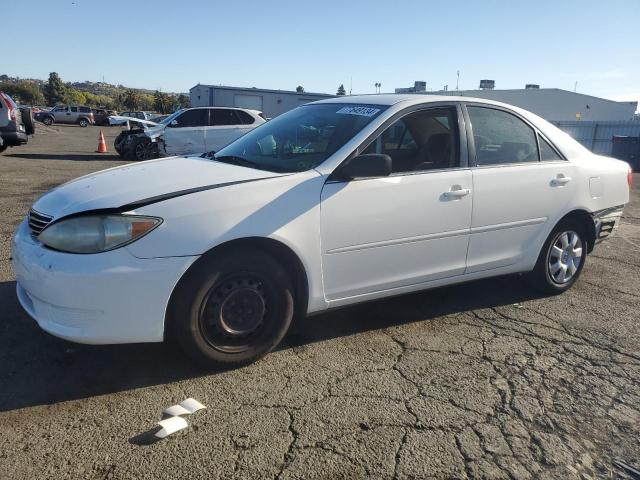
x: 560, y: 180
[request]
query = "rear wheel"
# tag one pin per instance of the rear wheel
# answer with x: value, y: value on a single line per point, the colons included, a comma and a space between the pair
x: 233, y: 308
x: 562, y: 258
x: 83, y: 122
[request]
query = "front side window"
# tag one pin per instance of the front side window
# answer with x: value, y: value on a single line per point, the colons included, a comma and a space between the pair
x: 422, y: 140
x: 501, y: 138
x: 191, y: 118
x: 300, y: 139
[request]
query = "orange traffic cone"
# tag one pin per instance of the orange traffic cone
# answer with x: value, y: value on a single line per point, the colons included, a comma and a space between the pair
x: 102, y: 146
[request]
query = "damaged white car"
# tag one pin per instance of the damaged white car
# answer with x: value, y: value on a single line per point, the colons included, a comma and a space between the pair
x: 187, y: 131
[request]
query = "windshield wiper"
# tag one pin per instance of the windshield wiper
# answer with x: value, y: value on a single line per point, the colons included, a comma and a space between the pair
x: 234, y: 160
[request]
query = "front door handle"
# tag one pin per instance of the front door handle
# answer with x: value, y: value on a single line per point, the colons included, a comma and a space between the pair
x: 560, y: 180
x: 456, y: 192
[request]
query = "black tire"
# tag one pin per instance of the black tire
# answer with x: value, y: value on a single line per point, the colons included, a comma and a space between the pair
x: 83, y: 122
x: 48, y: 121
x: 27, y: 119
x: 232, y: 308
x: 118, y: 144
x: 543, y: 277
x: 3, y: 146
x: 142, y: 148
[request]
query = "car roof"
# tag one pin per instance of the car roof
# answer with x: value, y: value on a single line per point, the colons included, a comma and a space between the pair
x: 408, y: 99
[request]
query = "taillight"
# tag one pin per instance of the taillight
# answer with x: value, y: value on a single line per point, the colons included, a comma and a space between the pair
x: 630, y: 178
x: 11, y: 112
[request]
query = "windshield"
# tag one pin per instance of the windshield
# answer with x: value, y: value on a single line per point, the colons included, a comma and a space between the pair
x: 170, y: 118
x: 300, y: 139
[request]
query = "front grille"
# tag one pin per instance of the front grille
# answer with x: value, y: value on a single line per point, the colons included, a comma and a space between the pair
x: 38, y: 221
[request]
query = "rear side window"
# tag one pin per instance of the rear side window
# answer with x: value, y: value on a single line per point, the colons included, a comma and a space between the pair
x: 245, y: 118
x: 74, y: 109
x: 192, y: 118
x: 85, y: 109
x: 501, y: 138
x: 224, y: 116
x: 547, y: 152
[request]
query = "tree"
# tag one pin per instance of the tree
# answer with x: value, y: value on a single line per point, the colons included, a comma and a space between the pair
x: 131, y: 99
x: 75, y: 97
x: 161, y: 102
x: 24, y: 92
x: 54, y: 90
x: 341, y: 90
x: 183, y: 101
x: 146, y: 101
x: 300, y: 89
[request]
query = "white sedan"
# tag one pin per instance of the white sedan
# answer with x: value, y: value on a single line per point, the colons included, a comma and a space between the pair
x: 334, y: 203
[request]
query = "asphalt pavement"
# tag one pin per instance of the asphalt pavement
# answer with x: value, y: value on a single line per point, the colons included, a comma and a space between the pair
x: 483, y: 380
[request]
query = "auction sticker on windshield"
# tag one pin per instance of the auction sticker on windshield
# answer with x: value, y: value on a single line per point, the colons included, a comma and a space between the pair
x: 362, y: 111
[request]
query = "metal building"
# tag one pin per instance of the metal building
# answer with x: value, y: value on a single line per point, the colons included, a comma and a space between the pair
x: 556, y: 105
x: 270, y: 102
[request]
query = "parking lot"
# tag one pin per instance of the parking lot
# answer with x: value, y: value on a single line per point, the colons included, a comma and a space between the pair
x: 483, y: 380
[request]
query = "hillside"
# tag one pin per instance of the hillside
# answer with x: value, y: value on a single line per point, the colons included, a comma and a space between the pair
x: 33, y: 91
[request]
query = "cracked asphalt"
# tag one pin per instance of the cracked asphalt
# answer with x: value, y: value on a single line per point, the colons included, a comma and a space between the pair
x: 482, y: 380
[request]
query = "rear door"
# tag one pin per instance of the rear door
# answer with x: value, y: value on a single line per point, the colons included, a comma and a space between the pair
x: 72, y: 115
x: 521, y: 185
x: 185, y: 134
x: 224, y: 127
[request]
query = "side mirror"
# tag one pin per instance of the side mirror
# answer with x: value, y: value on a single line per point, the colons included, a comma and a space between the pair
x: 369, y: 165
x: 174, y: 123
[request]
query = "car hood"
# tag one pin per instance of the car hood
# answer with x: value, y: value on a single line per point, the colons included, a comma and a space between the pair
x: 134, y: 185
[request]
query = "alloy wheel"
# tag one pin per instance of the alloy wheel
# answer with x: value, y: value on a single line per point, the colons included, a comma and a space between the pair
x: 565, y: 257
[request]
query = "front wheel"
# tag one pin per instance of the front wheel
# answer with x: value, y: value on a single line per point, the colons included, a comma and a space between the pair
x: 233, y: 307
x: 48, y: 121
x: 561, y: 260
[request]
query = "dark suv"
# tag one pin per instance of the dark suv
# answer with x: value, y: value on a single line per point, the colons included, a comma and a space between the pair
x: 15, y: 124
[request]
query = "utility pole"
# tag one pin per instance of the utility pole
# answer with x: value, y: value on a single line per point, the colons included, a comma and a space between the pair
x: 575, y: 86
x: 350, y: 84
x: 457, y: 80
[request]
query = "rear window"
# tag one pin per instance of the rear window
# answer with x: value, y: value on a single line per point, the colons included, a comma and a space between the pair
x: 245, y: 118
x: 9, y: 99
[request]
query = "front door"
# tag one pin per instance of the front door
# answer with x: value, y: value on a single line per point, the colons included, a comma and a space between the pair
x: 520, y: 185
x: 224, y: 127
x: 185, y: 134
x: 406, y: 229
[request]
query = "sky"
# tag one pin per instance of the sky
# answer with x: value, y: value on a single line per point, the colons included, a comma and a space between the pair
x: 173, y: 45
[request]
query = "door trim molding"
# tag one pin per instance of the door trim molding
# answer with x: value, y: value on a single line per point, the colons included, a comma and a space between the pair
x: 435, y: 236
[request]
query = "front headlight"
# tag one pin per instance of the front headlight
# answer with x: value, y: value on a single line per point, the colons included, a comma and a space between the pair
x: 99, y: 233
